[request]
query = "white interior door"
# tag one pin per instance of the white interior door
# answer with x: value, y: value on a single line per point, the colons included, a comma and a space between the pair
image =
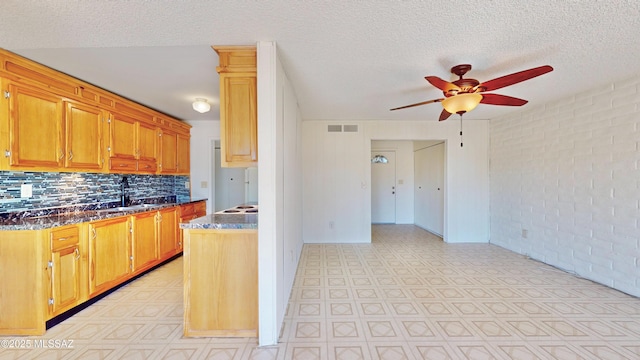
x: 383, y: 189
x: 429, y: 188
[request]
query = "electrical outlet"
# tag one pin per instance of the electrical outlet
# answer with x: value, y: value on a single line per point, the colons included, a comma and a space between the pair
x: 26, y: 190
x: 525, y: 233
x: 187, y: 185
x: 204, y: 184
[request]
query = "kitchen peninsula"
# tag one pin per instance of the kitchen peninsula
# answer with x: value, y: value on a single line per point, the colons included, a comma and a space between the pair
x: 221, y: 275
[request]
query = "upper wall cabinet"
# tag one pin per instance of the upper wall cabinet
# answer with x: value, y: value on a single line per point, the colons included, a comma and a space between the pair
x: 84, y: 133
x: 32, y: 141
x: 238, y: 106
x: 50, y: 121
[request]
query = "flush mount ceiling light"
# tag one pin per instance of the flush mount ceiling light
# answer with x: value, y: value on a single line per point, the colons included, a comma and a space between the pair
x: 379, y: 159
x: 201, y: 105
x: 461, y: 103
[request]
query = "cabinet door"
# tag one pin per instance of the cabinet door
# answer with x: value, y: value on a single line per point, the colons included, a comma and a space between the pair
x: 109, y: 253
x: 122, y: 137
x: 147, y: 142
x: 35, y: 132
x: 168, y: 232
x: 65, y: 280
x: 169, y: 163
x: 144, y: 249
x: 183, y: 166
x: 65, y: 269
x: 83, y: 137
x: 238, y: 120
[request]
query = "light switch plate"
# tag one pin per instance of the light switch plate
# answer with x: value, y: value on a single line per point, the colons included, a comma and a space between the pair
x: 26, y: 190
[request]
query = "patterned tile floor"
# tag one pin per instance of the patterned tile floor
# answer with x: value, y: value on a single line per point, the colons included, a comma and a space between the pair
x: 407, y: 295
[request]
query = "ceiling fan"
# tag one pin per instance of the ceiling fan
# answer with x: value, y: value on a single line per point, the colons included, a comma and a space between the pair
x: 464, y: 95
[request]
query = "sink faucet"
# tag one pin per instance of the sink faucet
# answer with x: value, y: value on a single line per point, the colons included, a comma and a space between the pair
x: 124, y: 192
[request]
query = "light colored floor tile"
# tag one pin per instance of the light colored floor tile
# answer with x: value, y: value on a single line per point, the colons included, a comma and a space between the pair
x: 407, y: 295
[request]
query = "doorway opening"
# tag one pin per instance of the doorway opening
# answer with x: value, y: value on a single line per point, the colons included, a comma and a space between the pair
x: 409, y: 188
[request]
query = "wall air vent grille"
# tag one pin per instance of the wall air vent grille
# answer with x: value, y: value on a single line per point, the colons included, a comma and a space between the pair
x: 351, y: 128
x: 334, y: 128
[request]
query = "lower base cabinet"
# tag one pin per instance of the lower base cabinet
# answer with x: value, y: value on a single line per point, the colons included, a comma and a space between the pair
x: 109, y: 253
x: 50, y: 271
x: 23, y: 289
x: 221, y: 283
x: 65, y: 270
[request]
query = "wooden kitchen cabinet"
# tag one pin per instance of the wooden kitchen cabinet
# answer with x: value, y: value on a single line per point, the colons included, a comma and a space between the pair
x: 64, y: 269
x: 109, y: 253
x: 50, y: 271
x: 144, y: 249
x: 133, y: 145
x: 23, y: 292
x: 34, y: 142
x: 183, y: 152
x: 169, y: 149
x: 221, y: 283
x: 84, y: 127
x: 187, y: 213
x: 50, y: 121
x: 147, y: 148
x: 167, y: 232
x: 238, y: 106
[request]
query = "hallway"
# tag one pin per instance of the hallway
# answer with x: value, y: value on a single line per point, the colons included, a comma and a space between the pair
x: 407, y: 295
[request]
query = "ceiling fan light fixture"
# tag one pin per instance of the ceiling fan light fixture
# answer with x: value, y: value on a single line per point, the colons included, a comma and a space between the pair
x: 461, y: 103
x: 201, y: 105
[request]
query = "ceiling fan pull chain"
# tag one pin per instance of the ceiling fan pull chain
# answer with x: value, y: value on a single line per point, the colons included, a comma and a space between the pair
x: 460, y: 130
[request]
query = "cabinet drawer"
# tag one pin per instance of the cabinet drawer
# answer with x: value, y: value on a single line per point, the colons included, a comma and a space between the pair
x: 147, y: 166
x: 123, y: 164
x: 63, y: 238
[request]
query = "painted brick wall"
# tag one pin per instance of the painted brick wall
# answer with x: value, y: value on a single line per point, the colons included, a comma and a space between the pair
x: 565, y: 184
x: 64, y: 189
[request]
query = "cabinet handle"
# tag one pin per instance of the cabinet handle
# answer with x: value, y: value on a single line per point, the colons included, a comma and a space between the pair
x: 61, y: 154
x: 70, y: 155
x: 123, y: 165
x: 94, y: 234
x: 63, y: 239
x: 77, y: 252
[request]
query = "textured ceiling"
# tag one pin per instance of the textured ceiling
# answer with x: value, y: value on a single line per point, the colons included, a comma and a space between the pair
x: 347, y: 60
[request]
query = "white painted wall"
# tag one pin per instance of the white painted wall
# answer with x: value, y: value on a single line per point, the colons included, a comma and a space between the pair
x: 569, y: 174
x: 279, y: 168
x: 203, y: 133
x: 337, y: 171
x: 404, y: 174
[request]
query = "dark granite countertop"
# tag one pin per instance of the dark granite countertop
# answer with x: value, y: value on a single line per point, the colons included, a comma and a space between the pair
x: 223, y: 221
x: 53, y: 217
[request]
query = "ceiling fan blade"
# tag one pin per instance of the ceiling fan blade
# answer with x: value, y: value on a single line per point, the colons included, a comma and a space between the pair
x: 444, y: 115
x: 443, y: 85
x: 514, y: 78
x: 417, y: 104
x: 497, y: 99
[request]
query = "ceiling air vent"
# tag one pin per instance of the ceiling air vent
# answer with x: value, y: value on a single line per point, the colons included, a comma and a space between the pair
x: 334, y: 128
x: 351, y: 128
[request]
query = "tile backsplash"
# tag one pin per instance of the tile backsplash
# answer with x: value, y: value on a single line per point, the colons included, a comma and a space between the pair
x: 64, y: 189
